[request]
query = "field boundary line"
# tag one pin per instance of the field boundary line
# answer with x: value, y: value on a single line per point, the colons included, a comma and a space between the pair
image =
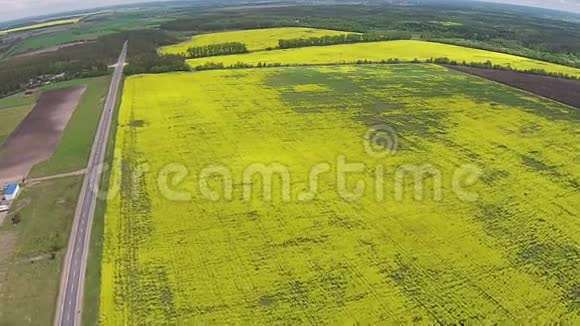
x: 57, y: 176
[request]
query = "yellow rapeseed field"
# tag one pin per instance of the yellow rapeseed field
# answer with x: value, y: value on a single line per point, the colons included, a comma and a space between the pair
x: 494, y: 239
x: 41, y: 25
x: 405, y: 50
x: 256, y: 39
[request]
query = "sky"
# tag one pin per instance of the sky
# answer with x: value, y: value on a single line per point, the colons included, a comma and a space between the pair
x: 15, y: 9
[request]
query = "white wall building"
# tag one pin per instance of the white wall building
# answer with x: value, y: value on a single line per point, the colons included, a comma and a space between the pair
x: 11, y: 191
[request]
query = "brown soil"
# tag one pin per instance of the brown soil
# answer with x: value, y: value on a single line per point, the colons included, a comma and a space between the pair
x: 565, y: 91
x: 38, y: 135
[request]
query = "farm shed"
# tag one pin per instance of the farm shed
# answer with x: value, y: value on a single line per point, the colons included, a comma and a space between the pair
x: 11, y: 191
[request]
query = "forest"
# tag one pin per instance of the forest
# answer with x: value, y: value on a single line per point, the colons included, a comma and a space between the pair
x: 89, y: 60
x: 343, y: 39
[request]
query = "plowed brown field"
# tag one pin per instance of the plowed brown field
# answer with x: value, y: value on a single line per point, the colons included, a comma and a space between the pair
x: 558, y: 89
x: 38, y: 135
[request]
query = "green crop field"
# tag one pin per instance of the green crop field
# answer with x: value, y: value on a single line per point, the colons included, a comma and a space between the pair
x: 401, y: 194
x: 13, y: 110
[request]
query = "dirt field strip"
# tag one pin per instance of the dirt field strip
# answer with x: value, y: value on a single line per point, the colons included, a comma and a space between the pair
x: 38, y: 135
x: 57, y: 176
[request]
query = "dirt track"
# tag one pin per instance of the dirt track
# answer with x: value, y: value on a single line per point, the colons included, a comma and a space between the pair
x: 38, y: 135
x: 562, y: 90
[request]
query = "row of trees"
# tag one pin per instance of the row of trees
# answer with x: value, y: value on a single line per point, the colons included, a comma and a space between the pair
x: 441, y: 60
x: 154, y: 63
x: 216, y: 49
x: 143, y: 57
x: 237, y: 65
x: 490, y: 65
x: 343, y: 39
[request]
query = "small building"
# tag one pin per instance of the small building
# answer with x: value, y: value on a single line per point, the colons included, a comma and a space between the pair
x: 11, y: 191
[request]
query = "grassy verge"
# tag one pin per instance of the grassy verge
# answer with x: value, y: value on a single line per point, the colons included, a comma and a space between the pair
x: 29, y: 292
x: 12, y: 110
x: 10, y: 119
x: 93, y: 273
x: 16, y: 101
x: 73, y: 152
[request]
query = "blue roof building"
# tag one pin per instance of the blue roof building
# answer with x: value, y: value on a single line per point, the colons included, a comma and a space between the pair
x: 11, y: 191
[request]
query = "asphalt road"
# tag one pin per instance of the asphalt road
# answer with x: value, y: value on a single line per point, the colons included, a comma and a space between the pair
x: 70, y: 299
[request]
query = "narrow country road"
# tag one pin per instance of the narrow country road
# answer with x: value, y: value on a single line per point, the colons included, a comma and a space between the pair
x: 70, y: 299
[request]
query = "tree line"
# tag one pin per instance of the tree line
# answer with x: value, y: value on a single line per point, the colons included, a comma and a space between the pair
x: 343, y: 39
x: 153, y: 63
x: 441, y: 61
x: 490, y: 65
x: 216, y: 49
x: 566, y: 59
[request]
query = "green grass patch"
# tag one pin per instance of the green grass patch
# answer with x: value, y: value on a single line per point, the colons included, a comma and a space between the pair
x: 29, y: 292
x: 12, y: 110
x: 10, y: 119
